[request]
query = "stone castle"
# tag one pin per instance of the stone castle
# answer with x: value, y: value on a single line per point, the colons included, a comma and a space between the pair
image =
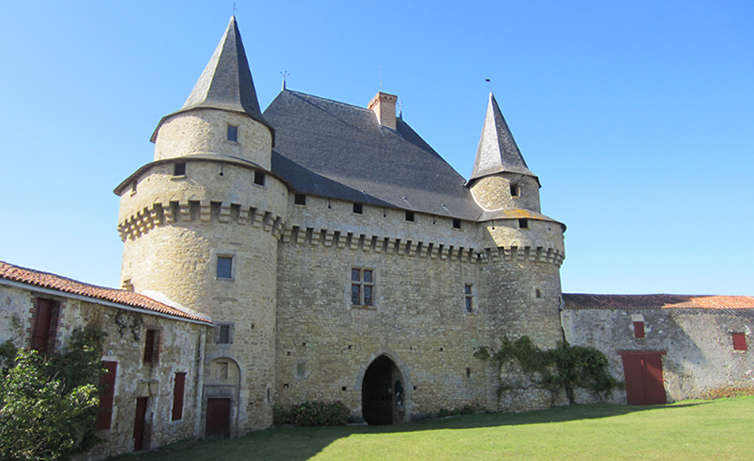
x: 323, y: 251
x: 335, y: 249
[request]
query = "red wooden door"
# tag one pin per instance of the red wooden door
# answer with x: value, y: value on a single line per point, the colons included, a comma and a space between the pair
x: 40, y: 336
x: 218, y: 419
x: 644, y: 381
x: 139, y: 423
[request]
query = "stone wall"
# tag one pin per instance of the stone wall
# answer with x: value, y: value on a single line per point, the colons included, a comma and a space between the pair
x: 698, y: 344
x: 179, y: 352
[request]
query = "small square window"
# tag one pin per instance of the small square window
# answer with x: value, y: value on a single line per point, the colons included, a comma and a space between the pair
x: 358, y: 208
x: 179, y: 169
x: 259, y: 178
x: 638, y: 329
x: 523, y: 223
x: 300, y: 199
x: 456, y: 223
x: 224, y: 267
x: 232, y: 133
x: 739, y: 341
x: 410, y: 216
x: 515, y: 191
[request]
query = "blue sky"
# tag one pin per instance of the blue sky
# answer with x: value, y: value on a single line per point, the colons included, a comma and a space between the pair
x: 638, y: 116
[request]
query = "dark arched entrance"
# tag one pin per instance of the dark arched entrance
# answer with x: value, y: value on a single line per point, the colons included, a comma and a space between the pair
x: 382, y: 393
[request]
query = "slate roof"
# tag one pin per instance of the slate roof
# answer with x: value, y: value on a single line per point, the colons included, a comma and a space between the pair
x: 65, y: 285
x: 226, y: 82
x: 656, y: 301
x: 331, y: 149
x: 497, y: 151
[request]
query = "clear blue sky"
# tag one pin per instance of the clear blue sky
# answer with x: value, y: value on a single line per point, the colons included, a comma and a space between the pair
x: 638, y: 116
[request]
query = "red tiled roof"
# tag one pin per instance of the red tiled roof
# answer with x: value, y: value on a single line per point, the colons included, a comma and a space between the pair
x: 659, y: 301
x: 66, y: 285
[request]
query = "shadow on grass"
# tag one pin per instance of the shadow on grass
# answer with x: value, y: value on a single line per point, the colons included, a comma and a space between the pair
x: 301, y: 443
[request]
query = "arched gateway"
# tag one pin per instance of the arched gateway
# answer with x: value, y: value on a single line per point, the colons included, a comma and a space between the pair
x: 383, y: 393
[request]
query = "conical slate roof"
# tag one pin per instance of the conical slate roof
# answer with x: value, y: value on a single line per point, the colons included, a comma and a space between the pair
x: 497, y: 151
x: 226, y: 82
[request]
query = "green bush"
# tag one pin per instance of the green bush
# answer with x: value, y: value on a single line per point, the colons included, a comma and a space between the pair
x: 319, y: 414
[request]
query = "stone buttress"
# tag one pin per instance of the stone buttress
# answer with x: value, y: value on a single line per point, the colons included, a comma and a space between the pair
x: 200, y: 226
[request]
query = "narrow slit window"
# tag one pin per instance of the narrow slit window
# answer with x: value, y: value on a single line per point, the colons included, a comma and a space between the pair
x: 232, y: 133
x: 468, y: 291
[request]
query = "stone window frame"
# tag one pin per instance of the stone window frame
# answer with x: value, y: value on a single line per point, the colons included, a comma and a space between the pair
x: 361, y: 284
x: 260, y: 178
x: 179, y: 170
x: 523, y: 223
x: 299, y: 199
x: 469, y: 299
x: 233, y: 264
x: 358, y: 208
x: 231, y: 332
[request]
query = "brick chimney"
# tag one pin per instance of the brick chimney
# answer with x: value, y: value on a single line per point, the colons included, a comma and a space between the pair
x: 383, y: 104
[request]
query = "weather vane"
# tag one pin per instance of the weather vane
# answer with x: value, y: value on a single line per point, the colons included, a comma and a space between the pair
x: 490, y: 82
x: 234, y: 8
x: 285, y: 74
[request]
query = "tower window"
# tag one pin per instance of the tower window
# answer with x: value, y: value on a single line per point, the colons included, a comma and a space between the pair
x: 299, y: 199
x: 523, y: 223
x: 223, y: 334
x: 468, y: 291
x: 515, y: 190
x: 179, y: 169
x: 410, y: 216
x: 259, y: 178
x: 224, y: 267
x: 232, y: 133
x: 358, y: 208
x: 362, y: 287
x: 456, y: 223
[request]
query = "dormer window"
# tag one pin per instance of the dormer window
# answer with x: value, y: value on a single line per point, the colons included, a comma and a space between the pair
x: 232, y: 133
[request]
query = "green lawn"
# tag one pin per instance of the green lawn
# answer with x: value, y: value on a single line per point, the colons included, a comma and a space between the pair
x: 714, y: 429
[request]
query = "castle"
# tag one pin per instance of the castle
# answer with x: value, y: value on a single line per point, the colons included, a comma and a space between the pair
x: 320, y: 251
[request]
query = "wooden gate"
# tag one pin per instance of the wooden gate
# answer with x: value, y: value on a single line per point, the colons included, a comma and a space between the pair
x: 644, y: 381
x: 218, y: 419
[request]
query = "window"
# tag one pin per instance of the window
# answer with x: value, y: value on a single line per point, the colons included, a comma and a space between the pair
x: 107, y: 384
x: 299, y: 199
x: 537, y: 293
x: 358, y: 208
x: 456, y: 223
x: 638, y: 329
x: 224, y: 267
x: 179, y: 169
x: 515, y: 191
x: 178, y: 390
x: 42, y: 332
x: 152, y: 347
x: 232, y: 133
x: 224, y: 334
x: 259, y: 178
x: 739, y: 341
x: 410, y: 216
x: 362, y: 287
x: 523, y: 223
x: 468, y: 291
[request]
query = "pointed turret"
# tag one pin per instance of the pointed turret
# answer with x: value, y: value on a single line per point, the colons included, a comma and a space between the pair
x: 497, y: 151
x: 226, y: 82
x: 500, y: 179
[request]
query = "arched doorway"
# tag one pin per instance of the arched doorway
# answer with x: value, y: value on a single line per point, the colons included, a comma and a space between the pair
x: 382, y: 393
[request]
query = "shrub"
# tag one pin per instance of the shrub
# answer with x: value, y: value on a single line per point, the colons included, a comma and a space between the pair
x: 320, y: 414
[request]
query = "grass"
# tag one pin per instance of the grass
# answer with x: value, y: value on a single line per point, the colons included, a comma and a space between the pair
x: 709, y: 429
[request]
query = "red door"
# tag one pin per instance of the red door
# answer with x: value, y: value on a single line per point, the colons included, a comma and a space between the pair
x: 139, y: 423
x: 644, y: 381
x: 218, y: 419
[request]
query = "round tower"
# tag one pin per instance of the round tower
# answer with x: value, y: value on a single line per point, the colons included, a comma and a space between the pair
x: 522, y: 285
x: 200, y: 226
